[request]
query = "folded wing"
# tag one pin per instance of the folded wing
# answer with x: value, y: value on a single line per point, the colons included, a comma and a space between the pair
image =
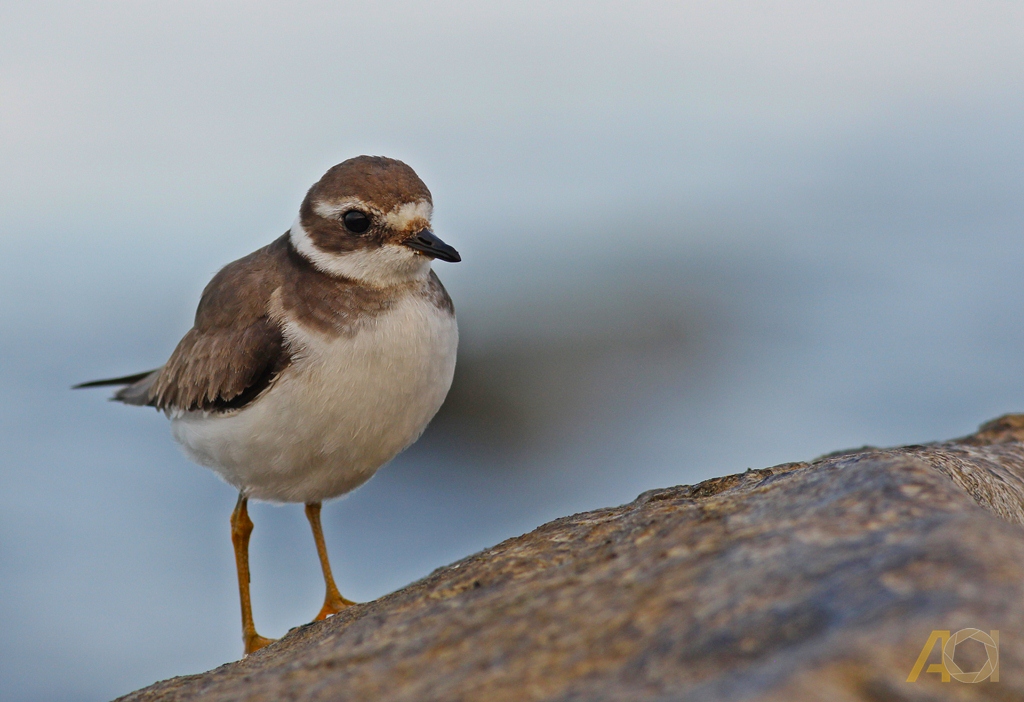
x: 232, y: 354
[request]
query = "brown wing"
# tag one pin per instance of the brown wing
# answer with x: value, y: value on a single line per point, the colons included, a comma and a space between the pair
x: 220, y: 369
x: 235, y: 350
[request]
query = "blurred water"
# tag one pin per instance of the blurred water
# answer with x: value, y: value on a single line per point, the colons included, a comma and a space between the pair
x: 695, y: 241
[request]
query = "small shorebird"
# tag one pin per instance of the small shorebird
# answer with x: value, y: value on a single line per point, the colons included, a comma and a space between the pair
x: 318, y: 358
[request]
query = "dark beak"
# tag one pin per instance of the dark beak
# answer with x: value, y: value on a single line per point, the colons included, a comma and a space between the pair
x: 425, y: 242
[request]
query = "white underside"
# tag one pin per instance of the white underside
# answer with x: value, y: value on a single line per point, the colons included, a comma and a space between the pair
x: 340, y: 411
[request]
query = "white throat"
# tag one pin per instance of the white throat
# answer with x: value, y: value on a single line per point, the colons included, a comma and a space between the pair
x: 391, y: 264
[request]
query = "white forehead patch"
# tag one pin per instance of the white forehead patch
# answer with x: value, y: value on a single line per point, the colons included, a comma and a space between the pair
x: 405, y: 214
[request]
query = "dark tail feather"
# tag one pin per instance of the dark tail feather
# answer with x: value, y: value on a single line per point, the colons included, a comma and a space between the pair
x: 136, y: 387
x: 126, y: 380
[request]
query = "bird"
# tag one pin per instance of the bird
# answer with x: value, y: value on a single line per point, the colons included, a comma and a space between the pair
x: 315, y: 360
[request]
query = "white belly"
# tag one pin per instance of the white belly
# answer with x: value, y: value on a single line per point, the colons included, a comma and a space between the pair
x: 340, y: 411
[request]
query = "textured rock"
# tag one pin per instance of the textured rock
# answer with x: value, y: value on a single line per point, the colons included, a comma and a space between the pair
x: 818, y: 581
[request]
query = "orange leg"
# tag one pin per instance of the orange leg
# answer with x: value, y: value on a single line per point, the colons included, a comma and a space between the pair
x: 333, y: 601
x: 241, y: 528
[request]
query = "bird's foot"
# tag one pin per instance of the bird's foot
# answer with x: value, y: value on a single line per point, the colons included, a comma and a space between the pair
x: 333, y: 605
x: 254, y: 642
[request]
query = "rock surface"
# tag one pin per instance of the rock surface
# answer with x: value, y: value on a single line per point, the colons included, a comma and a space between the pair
x: 805, y: 581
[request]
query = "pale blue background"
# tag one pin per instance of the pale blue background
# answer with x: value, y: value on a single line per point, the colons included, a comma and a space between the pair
x: 696, y: 237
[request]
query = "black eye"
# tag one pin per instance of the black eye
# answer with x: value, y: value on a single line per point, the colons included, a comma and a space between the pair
x: 356, y: 222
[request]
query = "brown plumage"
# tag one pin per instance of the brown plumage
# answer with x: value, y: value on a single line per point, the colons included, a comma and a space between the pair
x: 236, y: 347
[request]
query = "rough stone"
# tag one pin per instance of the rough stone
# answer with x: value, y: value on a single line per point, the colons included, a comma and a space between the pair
x: 805, y: 581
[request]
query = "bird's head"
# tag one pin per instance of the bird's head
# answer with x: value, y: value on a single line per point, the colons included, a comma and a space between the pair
x: 368, y: 219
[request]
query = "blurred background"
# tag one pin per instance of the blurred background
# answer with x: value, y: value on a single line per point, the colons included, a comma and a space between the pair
x: 697, y: 237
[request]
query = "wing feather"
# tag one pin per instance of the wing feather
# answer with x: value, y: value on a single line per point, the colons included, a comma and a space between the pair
x: 236, y: 348
x: 211, y: 370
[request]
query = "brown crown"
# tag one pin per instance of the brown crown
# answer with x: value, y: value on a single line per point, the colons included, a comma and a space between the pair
x: 382, y: 182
